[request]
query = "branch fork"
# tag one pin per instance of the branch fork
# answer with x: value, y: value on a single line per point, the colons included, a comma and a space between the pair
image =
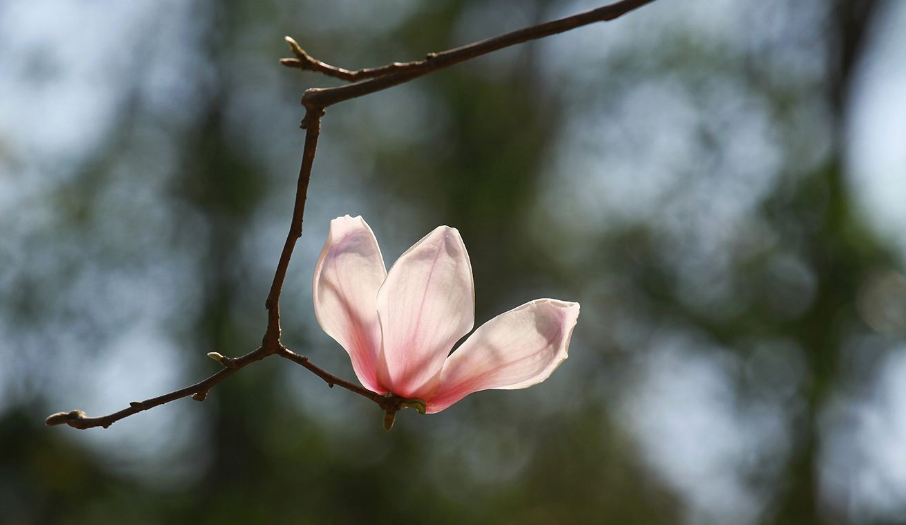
x: 316, y: 101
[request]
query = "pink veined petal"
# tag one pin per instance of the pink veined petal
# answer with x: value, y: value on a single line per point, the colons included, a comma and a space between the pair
x: 347, y: 278
x: 516, y: 349
x: 426, y: 304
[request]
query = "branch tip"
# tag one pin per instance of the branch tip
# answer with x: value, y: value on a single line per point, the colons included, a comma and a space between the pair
x: 295, y: 47
x: 64, y: 418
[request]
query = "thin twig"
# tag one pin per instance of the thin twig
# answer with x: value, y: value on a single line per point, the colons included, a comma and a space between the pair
x: 312, y: 125
x: 306, y: 62
x: 325, y: 97
x: 198, y: 391
x: 385, y: 402
x: 366, y: 81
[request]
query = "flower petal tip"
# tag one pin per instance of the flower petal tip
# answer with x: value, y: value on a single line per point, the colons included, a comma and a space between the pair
x: 347, y: 275
x: 347, y: 221
x: 425, y: 305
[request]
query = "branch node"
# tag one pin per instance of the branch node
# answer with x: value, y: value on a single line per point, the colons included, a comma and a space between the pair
x: 312, y: 120
x: 200, y: 396
x: 137, y: 405
x: 227, y: 362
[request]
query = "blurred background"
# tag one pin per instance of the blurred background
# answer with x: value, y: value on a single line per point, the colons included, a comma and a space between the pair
x: 721, y: 184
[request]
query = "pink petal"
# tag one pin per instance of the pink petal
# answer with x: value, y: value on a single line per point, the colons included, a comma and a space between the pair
x: 426, y: 304
x: 516, y: 349
x: 348, y: 275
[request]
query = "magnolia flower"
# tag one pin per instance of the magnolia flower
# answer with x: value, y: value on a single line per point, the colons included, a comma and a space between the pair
x: 399, y: 327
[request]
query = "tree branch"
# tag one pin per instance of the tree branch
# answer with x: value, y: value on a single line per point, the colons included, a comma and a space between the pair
x: 312, y: 125
x: 391, y: 402
x: 365, y: 81
x: 198, y: 391
x: 399, y: 73
x: 305, y: 62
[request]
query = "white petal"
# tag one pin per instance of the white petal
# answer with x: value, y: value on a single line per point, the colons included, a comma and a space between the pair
x: 516, y: 349
x: 347, y: 278
x: 426, y: 304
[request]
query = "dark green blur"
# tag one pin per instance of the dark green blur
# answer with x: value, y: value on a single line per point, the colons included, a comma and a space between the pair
x: 262, y: 448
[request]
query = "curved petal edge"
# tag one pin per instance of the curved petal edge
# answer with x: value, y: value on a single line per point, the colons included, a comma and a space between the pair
x: 516, y: 349
x: 426, y: 304
x: 348, y: 275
